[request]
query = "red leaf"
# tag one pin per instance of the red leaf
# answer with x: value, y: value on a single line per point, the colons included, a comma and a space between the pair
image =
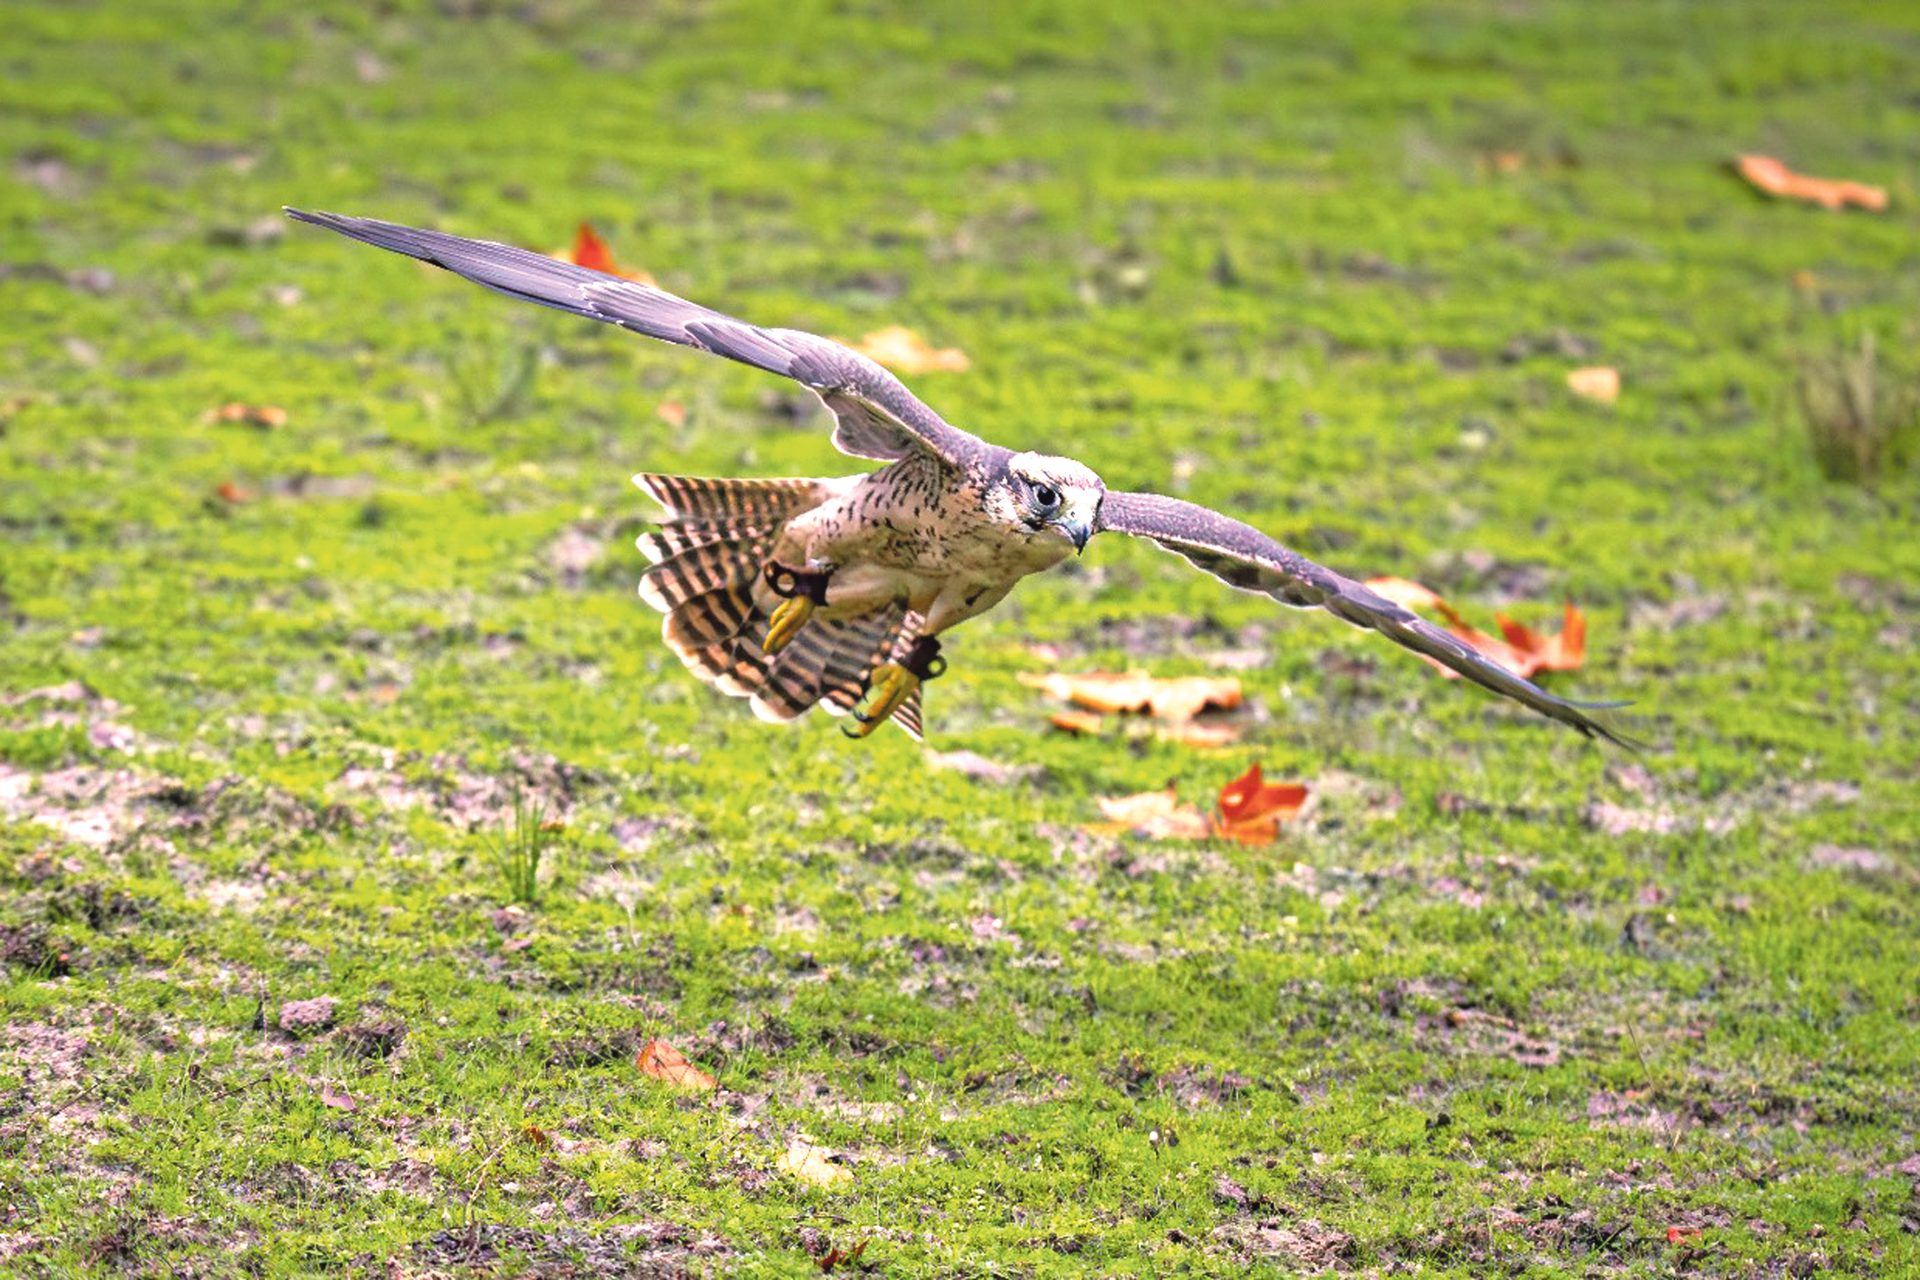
x: 591, y: 252
x: 1252, y: 809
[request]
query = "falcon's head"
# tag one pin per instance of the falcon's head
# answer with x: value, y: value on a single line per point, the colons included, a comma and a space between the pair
x: 1049, y: 497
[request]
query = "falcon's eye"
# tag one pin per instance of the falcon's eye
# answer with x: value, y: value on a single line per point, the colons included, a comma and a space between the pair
x: 1045, y: 497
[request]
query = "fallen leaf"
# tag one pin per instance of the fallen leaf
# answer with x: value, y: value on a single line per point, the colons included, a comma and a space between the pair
x: 264, y: 416
x: 836, y: 1255
x: 1563, y: 652
x: 338, y: 1099
x: 1408, y: 594
x: 1252, y: 809
x: 537, y: 1136
x: 814, y: 1164
x: 1072, y: 721
x: 1518, y: 648
x: 673, y: 413
x: 904, y: 351
x: 1774, y: 178
x: 1682, y: 1235
x: 1167, y: 698
x: 662, y: 1061
x: 1199, y: 733
x: 512, y: 945
x: 1158, y: 815
x: 1596, y: 382
x: 591, y: 252
x: 232, y: 493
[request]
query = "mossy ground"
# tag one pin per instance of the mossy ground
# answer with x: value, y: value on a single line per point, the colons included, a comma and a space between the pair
x: 1506, y: 1004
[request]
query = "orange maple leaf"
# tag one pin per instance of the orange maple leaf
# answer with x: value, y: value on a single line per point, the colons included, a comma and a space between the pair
x: 1563, y: 652
x: 662, y: 1061
x: 591, y: 252
x: 1518, y: 648
x: 1774, y: 178
x: 1252, y: 809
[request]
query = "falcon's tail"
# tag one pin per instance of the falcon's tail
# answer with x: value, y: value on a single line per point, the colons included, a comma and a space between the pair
x: 709, y: 556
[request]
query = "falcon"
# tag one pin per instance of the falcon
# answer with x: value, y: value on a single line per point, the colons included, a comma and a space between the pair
x: 836, y: 592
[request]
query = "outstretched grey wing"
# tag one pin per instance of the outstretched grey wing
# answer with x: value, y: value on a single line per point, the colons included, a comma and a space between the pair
x: 1243, y: 557
x: 877, y: 416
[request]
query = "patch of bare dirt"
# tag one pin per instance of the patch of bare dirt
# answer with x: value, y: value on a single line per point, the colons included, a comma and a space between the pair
x: 633, y: 1249
x: 1304, y: 1243
x: 450, y: 789
x: 572, y: 556
x: 88, y: 805
x: 45, y: 1053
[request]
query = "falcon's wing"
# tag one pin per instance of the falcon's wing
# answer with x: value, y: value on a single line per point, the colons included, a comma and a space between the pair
x: 877, y: 416
x: 1243, y: 557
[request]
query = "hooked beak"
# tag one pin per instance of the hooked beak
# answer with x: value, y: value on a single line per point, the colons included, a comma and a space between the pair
x: 1079, y: 531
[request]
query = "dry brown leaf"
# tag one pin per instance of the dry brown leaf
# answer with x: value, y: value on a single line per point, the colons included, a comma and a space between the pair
x: 1158, y: 815
x: 338, y: 1099
x: 662, y: 1061
x: 904, y: 351
x: 233, y: 494
x: 1407, y: 593
x: 264, y: 416
x: 1199, y: 733
x: 1072, y: 721
x: 815, y: 1164
x: 1771, y: 176
x: 1167, y: 698
x: 673, y: 413
x: 1598, y: 382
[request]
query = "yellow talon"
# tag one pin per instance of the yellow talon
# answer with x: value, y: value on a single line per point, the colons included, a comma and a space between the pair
x: 888, y: 690
x: 788, y: 618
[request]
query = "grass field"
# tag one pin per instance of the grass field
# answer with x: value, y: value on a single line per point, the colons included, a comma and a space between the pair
x: 1502, y: 1003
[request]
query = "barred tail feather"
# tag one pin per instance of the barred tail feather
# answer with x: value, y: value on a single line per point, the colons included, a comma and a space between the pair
x: 708, y: 557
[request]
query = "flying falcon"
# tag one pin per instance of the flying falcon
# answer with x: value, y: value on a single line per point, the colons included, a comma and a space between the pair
x: 795, y: 593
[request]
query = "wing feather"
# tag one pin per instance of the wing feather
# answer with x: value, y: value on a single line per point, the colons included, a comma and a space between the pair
x: 1243, y: 557
x: 876, y: 416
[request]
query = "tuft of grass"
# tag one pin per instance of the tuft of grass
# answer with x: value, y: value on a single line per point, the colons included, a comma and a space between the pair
x: 1862, y: 416
x: 522, y: 846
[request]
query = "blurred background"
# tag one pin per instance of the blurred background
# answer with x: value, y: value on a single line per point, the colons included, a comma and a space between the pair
x: 318, y: 602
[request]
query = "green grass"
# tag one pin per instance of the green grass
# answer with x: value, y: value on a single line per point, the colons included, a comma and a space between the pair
x: 1505, y: 1004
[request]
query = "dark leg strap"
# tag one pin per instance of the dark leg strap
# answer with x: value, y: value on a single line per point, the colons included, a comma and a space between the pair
x: 788, y: 583
x: 924, y: 659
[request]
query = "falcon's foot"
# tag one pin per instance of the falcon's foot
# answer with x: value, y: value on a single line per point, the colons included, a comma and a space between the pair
x: 804, y: 593
x: 892, y: 683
